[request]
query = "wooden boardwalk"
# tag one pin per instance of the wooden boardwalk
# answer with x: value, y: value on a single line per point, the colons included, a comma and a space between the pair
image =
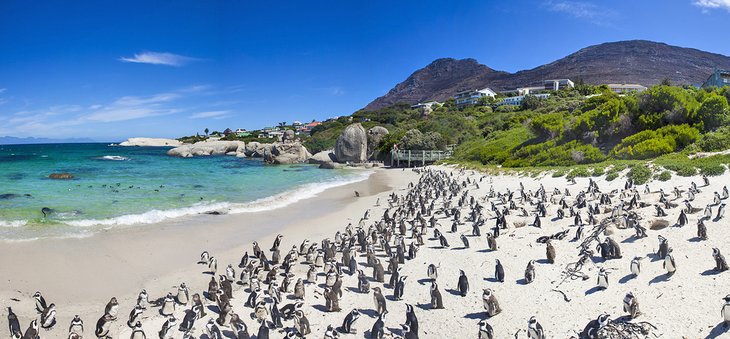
x: 416, y: 157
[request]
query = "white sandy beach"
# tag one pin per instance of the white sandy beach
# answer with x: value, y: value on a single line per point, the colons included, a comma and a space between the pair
x: 81, y: 275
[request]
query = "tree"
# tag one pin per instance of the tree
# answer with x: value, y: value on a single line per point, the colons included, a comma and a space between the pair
x: 713, y: 112
x: 206, y: 131
x: 666, y: 82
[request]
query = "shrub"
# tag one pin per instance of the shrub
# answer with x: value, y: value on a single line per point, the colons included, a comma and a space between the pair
x: 713, y: 112
x: 649, y: 144
x: 664, y: 176
x: 712, y: 170
x: 640, y: 174
x: 611, y: 176
x: 558, y: 173
x: 598, y: 171
x: 715, y: 141
x: 578, y: 172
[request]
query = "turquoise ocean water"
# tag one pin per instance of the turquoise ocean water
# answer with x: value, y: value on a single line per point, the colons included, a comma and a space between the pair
x: 125, y: 186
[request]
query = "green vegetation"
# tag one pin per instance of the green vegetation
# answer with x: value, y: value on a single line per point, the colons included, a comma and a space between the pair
x: 664, y: 176
x: 639, y: 174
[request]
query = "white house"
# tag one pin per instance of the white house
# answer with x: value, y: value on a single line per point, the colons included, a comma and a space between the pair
x: 558, y: 84
x: 517, y: 101
x: 471, y: 97
x: 626, y: 88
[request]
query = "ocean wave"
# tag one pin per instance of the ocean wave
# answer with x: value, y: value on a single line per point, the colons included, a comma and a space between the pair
x: 264, y: 204
x: 13, y: 223
x: 112, y: 158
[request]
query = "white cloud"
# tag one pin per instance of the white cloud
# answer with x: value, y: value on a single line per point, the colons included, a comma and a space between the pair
x: 581, y: 10
x: 211, y: 114
x: 159, y: 58
x: 712, y: 4
x: 3, y: 90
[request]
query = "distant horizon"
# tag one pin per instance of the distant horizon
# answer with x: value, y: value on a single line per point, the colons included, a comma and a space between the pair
x: 176, y: 69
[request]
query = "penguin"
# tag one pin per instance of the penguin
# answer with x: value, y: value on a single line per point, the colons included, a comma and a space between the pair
x: 720, y: 212
x: 631, y: 305
x: 288, y: 310
x: 213, y: 289
x: 182, y: 294
x: 530, y: 272
x: 168, y: 328
x: 136, y: 312
x: 240, y: 328
x: 299, y: 291
x: 682, y: 220
x: 363, y: 285
x: 432, y: 272
x: 188, y: 321
x: 263, y: 332
x: 48, y: 317
x: 199, y: 302
x: 550, y: 252
x: 378, y: 329
x: 408, y: 332
x: 137, y: 332
x: 669, y: 263
x: 491, y: 242
x: 102, y: 326
x: 499, y: 272
x: 534, y: 329
x: 251, y: 300
x: 32, y: 331
x: 399, y: 288
x: 330, y: 333
x: 725, y: 312
x: 212, y: 330
x: 720, y: 263
x: 701, y: 230
x: 490, y: 303
x: 168, y: 305
x: 302, y: 323
x: 463, y: 284
x: 230, y: 273
x: 602, y: 279
x: 411, y: 321
x: 14, y: 325
x: 442, y: 240
x: 350, y: 319
x: 663, y: 247
x: 225, y: 286
x: 379, y: 300
x: 40, y: 302
x: 436, y: 300
x: 204, y: 258
x: 636, y: 266
x: 591, y: 330
x: 485, y: 330
x: 260, y: 311
x: 143, y: 299
x: 213, y: 265
x: 465, y: 240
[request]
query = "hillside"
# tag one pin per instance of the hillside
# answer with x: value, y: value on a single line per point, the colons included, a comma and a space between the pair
x: 636, y: 61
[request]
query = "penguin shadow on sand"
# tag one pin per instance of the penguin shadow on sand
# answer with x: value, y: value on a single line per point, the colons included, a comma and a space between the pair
x: 654, y: 257
x: 594, y: 289
x: 718, y: 331
x: 321, y: 308
x: 454, y: 292
x: 627, y: 278
x: 424, y: 281
x: 694, y: 239
x: 711, y: 271
x: 477, y: 316
x: 370, y: 313
x: 660, y: 278
x: 543, y: 261
x: 521, y: 281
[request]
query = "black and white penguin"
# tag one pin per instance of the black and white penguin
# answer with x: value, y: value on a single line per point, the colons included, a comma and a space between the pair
x: 263, y: 332
x: 302, y: 323
x: 682, y: 220
x: 183, y: 296
x: 143, y: 299
x: 102, y: 326
x: 530, y: 272
x: 465, y: 241
x: 14, y: 325
x: 663, y: 247
x: 168, y: 305
x: 112, y: 308
x: 211, y: 328
x: 490, y: 303
x: 636, y: 266
x: 32, y: 331
x: 720, y: 212
x: 436, y: 300
x: 442, y: 240
x: 137, y: 331
x: 134, y: 315
x: 363, y: 284
x: 40, y: 302
x: 379, y: 300
x: 701, y: 230
x: 534, y: 329
x: 491, y: 242
x: 432, y: 272
x: 213, y: 265
x: 330, y: 333
x: 463, y: 283
x: 602, y: 279
x: 631, y: 305
x: 485, y: 330
x: 591, y: 330
x: 399, y: 288
x: 669, y: 264
x: 550, y: 252
x: 48, y: 317
x: 204, y: 258
x: 411, y: 321
x: 188, y: 321
x: 168, y: 328
x: 350, y: 319
x: 720, y: 263
x: 499, y: 271
x: 378, y: 329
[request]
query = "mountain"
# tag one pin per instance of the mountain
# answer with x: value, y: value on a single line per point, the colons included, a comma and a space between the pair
x: 635, y: 61
x: 7, y: 140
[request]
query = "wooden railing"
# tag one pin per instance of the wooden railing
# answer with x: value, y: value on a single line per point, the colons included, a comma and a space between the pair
x: 406, y: 157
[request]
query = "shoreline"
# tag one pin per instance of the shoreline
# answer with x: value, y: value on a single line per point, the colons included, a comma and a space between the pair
x: 81, y: 275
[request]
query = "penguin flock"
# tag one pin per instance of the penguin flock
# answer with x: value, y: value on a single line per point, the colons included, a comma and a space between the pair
x: 265, y: 293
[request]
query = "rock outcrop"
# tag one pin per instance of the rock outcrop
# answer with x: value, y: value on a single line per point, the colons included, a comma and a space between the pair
x: 323, y: 157
x: 61, y: 176
x: 207, y: 148
x: 375, y: 136
x: 352, y: 145
x: 256, y: 149
x: 151, y: 142
x: 287, y: 153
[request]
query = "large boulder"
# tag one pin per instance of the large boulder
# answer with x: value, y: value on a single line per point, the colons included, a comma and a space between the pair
x: 375, y: 136
x: 207, y: 148
x: 288, y: 136
x: 290, y: 153
x: 352, y: 145
x: 256, y: 149
x: 323, y: 157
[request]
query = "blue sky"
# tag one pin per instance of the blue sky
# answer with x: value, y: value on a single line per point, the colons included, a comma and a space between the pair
x: 112, y: 70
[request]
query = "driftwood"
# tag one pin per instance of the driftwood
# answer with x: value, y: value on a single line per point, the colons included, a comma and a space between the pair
x: 626, y: 330
x: 565, y: 297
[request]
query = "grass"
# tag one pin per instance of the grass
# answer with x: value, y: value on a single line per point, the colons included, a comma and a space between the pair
x: 664, y: 176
